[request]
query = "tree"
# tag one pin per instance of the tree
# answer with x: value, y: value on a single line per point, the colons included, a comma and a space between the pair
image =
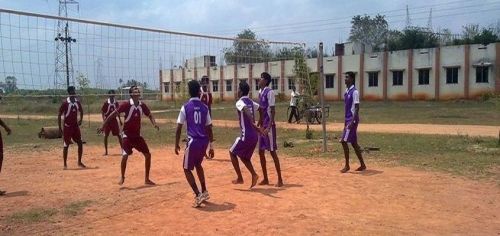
x: 485, y: 37
x: 445, y: 37
x: 10, y: 84
x: 412, y: 38
x: 369, y: 31
x: 134, y: 82
x: 82, y: 81
x: 288, y: 53
x: 247, y: 49
x: 470, y: 31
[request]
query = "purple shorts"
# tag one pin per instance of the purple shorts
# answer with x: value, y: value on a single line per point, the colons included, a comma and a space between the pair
x: 194, y: 153
x: 350, y: 135
x: 244, y: 147
x: 268, y: 142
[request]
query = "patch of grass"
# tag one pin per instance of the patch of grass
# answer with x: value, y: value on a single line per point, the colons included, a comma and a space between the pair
x: 474, y: 157
x: 76, y: 208
x: 32, y: 216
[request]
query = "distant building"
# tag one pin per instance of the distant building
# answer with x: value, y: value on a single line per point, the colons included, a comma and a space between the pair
x: 451, y: 72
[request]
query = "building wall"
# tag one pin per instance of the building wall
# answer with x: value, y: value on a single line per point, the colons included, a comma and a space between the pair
x: 228, y: 75
x: 330, y: 67
x: 466, y: 57
x: 424, y: 59
x: 397, y: 60
x: 257, y: 69
x: 373, y: 63
x: 481, y: 54
x: 349, y: 63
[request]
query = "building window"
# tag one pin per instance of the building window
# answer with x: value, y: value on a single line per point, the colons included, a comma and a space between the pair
x: 229, y: 85
x: 166, y: 87
x: 291, y: 83
x: 397, y: 78
x: 423, y: 76
x: 452, y: 75
x: 482, y: 74
x: 177, y: 87
x: 256, y: 84
x: 329, y: 80
x: 373, y: 79
x: 274, y: 83
x: 215, y: 86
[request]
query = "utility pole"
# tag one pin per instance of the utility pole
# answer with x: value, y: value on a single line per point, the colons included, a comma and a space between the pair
x: 63, y: 62
x: 322, y: 93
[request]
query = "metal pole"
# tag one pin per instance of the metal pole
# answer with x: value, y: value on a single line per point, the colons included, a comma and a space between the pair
x: 67, y: 59
x: 322, y: 93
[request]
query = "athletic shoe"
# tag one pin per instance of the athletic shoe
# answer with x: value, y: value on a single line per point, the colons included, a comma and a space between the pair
x: 197, y: 201
x: 205, y: 196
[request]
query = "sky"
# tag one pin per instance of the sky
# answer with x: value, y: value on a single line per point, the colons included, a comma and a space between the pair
x: 309, y: 21
x: 108, y: 55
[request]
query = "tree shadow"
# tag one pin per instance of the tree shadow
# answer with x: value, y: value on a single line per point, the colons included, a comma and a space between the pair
x: 15, y: 194
x: 368, y: 172
x: 214, y: 207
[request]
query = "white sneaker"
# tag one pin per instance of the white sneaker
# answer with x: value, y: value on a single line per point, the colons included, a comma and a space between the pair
x: 205, y: 196
x: 198, y: 200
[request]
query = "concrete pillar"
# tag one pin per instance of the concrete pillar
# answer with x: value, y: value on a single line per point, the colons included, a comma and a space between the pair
x: 437, y: 70
x: 410, y: 74
x: 339, y: 78
x: 385, y: 74
x: 466, y: 70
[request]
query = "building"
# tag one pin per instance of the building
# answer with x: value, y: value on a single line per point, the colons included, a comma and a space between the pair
x: 443, y: 73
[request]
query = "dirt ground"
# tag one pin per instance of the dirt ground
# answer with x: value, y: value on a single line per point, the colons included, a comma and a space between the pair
x: 316, y: 199
x: 470, y: 130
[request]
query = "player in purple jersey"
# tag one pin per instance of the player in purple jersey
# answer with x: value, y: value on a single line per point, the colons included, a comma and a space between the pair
x: 351, y: 101
x: 196, y: 116
x: 244, y: 145
x: 267, y: 140
x: 7, y: 129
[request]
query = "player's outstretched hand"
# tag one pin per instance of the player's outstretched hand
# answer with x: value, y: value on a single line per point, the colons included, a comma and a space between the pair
x: 80, y: 123
x: 177, y: 149
x: 211, y: 154
x: 8, y: 130
x: 157, y: 127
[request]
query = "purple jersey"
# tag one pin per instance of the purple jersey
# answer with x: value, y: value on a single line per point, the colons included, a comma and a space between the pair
x: 351, y: 98
x: 247, y: 130
x: 266, y: 101
x: 196, y: 116
x: 244, y: 145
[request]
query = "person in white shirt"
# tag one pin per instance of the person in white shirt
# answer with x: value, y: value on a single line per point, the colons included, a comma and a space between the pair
x: 293, y: 105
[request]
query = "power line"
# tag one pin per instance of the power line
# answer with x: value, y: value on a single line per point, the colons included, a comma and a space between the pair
x: 347, y: 22
x: 296, y: 24
x: 397, y: 21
